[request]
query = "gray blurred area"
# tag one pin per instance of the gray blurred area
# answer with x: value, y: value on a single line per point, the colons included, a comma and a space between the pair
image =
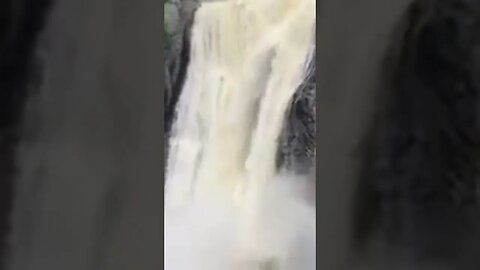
x: 352, y: 37
x: 89, y: 189
x: 352, y: 42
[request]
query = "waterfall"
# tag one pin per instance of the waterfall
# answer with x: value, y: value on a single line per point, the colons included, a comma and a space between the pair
x: 226, y: 204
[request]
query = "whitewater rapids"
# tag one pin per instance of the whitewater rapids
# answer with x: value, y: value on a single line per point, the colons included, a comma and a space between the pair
x: 226, y: 204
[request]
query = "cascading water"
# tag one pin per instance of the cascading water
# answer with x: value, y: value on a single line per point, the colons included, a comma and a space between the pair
x: 226, y: 205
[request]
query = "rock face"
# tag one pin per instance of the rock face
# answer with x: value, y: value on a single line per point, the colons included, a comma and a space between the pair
x: 297, y: 142
x: 178, y: 18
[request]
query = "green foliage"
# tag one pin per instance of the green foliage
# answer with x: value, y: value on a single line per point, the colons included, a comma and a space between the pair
x: 168, y: 39
x: 168, y: 36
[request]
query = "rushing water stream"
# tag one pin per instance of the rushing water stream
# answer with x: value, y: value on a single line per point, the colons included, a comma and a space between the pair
x: 247, y: 60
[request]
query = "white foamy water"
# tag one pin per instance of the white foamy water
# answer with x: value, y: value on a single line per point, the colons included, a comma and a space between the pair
x: 226, y: 205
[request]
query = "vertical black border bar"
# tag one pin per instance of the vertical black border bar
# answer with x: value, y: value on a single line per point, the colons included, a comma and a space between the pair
x: 163, y: 163
x: 317, y: 99
x: 332, y: 172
